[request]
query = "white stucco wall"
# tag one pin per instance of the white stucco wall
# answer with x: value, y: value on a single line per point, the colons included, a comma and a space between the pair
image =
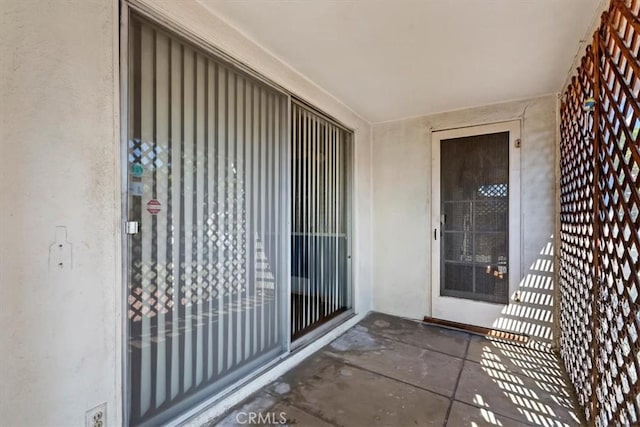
x: 60, y: 329
x: 57, y: 163
x: 402, y: 210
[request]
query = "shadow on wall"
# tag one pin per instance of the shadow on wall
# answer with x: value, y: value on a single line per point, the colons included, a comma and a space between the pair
x: 533, y: 314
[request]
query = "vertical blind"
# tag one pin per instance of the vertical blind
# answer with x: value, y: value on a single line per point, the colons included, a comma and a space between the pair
x: 207, y: 161
x: 321, y: 153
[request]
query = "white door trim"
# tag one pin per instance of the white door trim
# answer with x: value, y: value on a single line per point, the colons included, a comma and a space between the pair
x: 459, y: 309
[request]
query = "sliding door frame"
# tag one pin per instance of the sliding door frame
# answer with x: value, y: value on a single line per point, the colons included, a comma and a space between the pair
x: 124, y: 210
x: 127, y: 8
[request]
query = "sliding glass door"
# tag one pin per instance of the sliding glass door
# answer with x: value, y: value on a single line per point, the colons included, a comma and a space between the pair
x: 321, y: 223
x: 208, y: 190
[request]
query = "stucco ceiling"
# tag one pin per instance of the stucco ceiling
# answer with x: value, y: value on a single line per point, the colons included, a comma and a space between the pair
x: 390, y: 59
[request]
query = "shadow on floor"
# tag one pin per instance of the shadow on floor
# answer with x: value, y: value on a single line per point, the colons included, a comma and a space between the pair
x: 388, y: 371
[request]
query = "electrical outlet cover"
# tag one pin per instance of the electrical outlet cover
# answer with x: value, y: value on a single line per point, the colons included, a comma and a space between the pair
x: 96, y: 417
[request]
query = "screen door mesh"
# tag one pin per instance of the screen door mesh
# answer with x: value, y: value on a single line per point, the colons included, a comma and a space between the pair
x: 474, y: 207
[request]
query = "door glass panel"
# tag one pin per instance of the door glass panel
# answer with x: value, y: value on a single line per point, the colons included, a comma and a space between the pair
x: 320, y: 288
x: 474, y: 198
x: 206, y: 168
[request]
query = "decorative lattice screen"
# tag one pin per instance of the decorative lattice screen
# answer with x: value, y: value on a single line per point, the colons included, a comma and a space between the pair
x: 600, y: 238
x: 576, y: 196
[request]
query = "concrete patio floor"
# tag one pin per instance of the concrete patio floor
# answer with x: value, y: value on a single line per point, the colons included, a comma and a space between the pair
x: 388, y: 371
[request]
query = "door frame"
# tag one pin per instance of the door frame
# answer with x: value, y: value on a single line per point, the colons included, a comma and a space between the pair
x: 463, y: 310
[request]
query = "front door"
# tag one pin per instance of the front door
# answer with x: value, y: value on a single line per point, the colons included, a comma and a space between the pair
x: 476, y: 222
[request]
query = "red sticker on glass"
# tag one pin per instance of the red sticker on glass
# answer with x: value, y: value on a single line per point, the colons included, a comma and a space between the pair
x: 153, y: 206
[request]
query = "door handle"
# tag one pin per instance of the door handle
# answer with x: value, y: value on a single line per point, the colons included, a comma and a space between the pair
x: 131, y: 227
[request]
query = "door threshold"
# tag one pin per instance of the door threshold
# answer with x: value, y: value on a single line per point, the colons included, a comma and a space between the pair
x: 322, y: 329
x: 479, y: 330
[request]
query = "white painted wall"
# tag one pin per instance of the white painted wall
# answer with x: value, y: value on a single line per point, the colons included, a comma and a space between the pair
x: 60, y: 329
x: 402, y: 210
